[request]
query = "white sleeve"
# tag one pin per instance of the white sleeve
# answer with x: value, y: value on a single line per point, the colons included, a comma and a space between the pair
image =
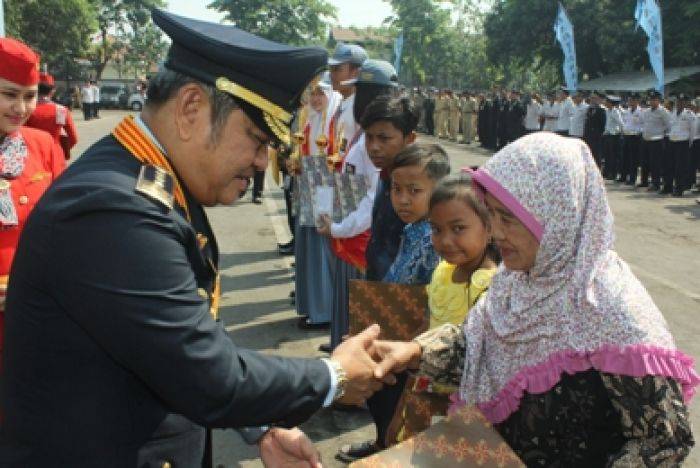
x: 359, y: 220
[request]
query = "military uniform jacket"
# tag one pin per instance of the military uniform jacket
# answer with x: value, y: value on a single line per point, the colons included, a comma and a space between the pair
x: 112, y: 358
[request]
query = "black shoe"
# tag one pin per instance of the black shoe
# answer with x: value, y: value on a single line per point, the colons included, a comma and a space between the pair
x: 353, y: 452
x: 257, y: 200
x: 325, y: 348
x: 292, y: 294
x: 642, y: 185
x: 304, y: 324
x: 653, y: 188
x: 286, y: 250
x: 288, y: 245
x: 664, y: 191
x: 629, y: 182
x: 677, y: 193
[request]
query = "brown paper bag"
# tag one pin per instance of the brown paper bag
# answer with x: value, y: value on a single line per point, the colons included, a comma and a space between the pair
x: 464, y: 439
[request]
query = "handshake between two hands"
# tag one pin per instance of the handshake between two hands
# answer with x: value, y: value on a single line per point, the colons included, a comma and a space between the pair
x: 369, y: 363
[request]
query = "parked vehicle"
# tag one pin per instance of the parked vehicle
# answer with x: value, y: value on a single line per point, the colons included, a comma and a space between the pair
x: 135, y: 102
x: 109, y: 95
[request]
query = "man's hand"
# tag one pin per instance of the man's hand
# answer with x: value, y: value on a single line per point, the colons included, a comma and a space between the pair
x: 394, y: 357
x: 288, y: 448
x: 324, y: 225
x: 359, y: 367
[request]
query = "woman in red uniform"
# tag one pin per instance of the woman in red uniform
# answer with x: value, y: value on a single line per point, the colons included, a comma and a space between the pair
x: 52, y: 117
x: 29, y: 159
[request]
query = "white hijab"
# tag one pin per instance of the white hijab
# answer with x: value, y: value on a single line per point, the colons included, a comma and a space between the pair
x: 320, y: 121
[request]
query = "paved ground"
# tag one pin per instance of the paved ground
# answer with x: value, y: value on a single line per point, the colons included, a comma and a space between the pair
x: 657, y: 236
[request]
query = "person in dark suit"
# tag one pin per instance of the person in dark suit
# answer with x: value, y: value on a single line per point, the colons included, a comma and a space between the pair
x: 515, y: 114
x: 595, y: 126
x: 113, y: 354
x: 429, y: 110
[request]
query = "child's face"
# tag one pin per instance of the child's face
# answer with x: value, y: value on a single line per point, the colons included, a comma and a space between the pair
x: 384, y: 141
x: 459, y: 235
x: 410, y: 193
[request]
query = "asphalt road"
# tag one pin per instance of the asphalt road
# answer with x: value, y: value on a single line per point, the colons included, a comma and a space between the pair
x: 658, y: 236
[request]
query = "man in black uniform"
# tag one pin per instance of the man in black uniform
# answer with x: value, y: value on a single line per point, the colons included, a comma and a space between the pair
x: 429, y: 110
x: 501, y: 120
x: 516, y: 114
x: 113, y: 356
x: 595, y: 126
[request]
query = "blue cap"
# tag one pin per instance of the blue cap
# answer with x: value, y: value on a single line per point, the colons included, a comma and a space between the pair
x: 348, y: 53
x: 377, y: 72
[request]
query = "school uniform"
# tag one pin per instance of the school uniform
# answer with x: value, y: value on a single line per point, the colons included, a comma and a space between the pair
x: 550, y: 111
x: 577, y: 121
x: 612, y: 143
x: 655, y: 122
x: 677, y: 160
x: 632, y: 131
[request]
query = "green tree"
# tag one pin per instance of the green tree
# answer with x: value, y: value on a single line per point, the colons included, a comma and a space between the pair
x: 520, y: 35
x: 118, y: 22
x: 296, y: 22
x: 144, y: 46
x: 428, y: 47
x: 59, y: 30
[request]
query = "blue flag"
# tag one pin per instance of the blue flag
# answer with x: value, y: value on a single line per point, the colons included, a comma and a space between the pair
x: 398, y: 49
x: 564, y: 32
x: 648, y: 15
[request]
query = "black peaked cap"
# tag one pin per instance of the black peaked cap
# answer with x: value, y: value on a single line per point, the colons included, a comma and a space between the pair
x: 208, y: 51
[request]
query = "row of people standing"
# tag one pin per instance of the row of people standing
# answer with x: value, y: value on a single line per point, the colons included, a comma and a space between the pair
x: 649, y: 143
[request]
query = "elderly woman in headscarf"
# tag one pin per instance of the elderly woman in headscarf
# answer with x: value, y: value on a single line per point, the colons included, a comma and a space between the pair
x: 313, y: 276
x: 567, y: 356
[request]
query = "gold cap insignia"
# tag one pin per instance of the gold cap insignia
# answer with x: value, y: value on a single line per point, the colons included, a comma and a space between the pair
x: 275, y: 117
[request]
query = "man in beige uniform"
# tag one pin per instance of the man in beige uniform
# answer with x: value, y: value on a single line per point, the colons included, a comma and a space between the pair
x: 455, y: 107
x: 469, y: 110
x: 440, y: 111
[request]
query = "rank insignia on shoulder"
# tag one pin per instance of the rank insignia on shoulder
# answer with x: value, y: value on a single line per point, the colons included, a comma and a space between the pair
x: 156, y: 184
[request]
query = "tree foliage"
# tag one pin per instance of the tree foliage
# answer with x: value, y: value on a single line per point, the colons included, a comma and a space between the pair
x: 520, y: 33
x: 59, y: 30
x: 296, y: 22
x: 119, y: 21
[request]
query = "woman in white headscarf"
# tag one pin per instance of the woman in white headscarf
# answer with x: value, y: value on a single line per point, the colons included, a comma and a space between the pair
x: 567, y: 355
x: 314, y: 288
x: 323, y: 103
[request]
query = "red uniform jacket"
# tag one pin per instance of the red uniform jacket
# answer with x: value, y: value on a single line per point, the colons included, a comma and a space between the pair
x: 57, y: 121
x: 44, y: 163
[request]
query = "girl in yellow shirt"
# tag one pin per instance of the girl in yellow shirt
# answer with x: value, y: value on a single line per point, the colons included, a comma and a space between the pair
x: 461, y: 235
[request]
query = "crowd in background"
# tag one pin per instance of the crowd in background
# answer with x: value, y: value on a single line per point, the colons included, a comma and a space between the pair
x: 643, y: 140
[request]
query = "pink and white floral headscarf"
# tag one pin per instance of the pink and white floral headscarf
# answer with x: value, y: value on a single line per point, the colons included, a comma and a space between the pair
x: 580, y: 307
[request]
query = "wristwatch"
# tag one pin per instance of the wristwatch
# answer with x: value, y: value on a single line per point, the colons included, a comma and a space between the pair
x: 252, y: 435
x: 342, y: 379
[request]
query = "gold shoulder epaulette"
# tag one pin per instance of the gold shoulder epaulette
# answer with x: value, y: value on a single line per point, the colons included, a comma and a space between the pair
x: 156, y: 184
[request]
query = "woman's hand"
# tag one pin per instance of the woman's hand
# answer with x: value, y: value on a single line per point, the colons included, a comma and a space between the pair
x: 394, y: 357
x: 324, y: 225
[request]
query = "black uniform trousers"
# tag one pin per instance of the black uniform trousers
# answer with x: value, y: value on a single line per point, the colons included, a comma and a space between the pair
x: 630, y: 158
x: 612, y: 156
x: 258, y: 184
x: 675, y: 166
x: 382, y: 406
x: 651, y: 156
x: 595, y: 143
x: 694, y: 162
